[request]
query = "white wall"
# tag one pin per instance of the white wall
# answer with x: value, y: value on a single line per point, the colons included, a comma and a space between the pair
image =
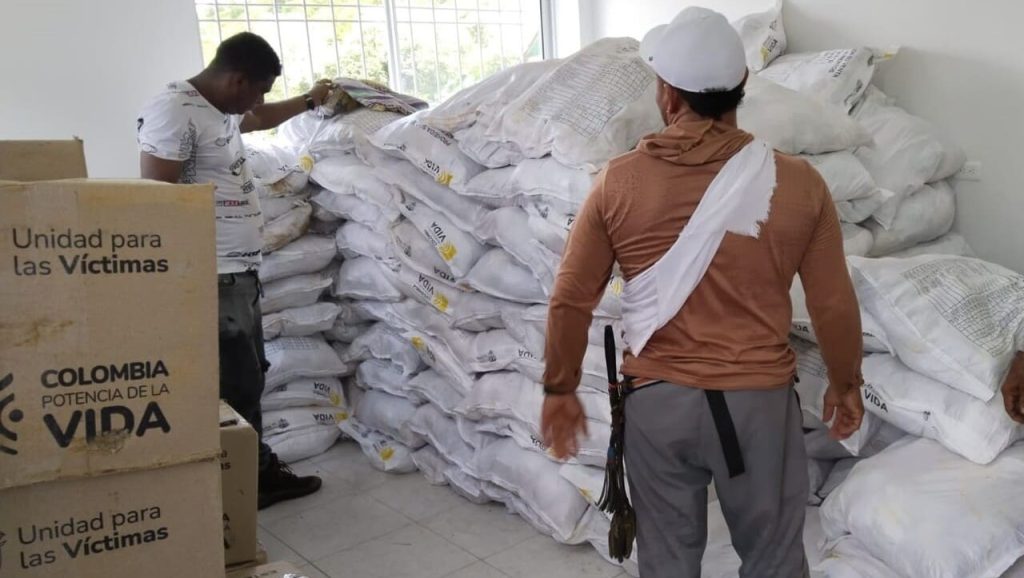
x: 960, y: 67
x: 85, y: 67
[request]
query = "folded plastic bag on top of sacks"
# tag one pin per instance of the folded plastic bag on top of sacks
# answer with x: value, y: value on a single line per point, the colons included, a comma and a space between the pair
x: 955, y: 319
x: 594, y: 106
x: 901, y: 504
x: 836, y: 77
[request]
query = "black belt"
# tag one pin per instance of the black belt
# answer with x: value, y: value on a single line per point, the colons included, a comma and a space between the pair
x: 726, y: 432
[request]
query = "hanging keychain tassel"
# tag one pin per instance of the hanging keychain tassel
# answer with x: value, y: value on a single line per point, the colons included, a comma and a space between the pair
x: 614, y: 500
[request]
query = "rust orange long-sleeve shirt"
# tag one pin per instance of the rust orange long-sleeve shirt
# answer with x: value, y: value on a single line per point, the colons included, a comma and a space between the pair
x: 733, y: 331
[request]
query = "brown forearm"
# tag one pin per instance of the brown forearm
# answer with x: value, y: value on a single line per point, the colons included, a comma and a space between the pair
x: 271, y: 115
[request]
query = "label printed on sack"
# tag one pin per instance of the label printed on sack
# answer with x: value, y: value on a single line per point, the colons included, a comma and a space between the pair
x: 871, y: 396
x: 77, y: 253
x: 75, y: 538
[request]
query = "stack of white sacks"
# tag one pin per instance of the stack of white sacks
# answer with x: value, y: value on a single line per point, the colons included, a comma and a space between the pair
x: 453, y: 223
x: 303, y: 399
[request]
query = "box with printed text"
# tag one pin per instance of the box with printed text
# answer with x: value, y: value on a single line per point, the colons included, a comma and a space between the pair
x: 163, y: 523
x: 108, y: 328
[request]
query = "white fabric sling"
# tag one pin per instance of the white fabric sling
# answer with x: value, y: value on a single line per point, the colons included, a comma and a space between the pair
x: 737, y: 201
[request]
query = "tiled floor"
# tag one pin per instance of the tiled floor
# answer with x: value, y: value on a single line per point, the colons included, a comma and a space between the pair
x: 368, y: 524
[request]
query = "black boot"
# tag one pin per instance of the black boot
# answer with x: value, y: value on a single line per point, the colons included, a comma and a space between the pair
x: 278, y: 483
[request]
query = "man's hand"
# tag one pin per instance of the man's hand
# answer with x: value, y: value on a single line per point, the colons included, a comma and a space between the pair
x: 1013, y: 389
x: 320, y: 91
x: 562, y: 422
x: 847, y: 407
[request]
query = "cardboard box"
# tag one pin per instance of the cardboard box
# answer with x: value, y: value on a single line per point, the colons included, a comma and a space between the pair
x: 239, y: 478
x: 275, y: 570
x: 162, y: 523
x: 108, y: 328
x: 260, y: 560
x: 42, y: 160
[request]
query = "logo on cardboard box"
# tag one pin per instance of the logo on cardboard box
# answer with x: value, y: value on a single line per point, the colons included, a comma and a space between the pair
x: 15, y: 415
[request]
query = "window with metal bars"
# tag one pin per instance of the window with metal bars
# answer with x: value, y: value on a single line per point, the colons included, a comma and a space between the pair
x: 429, y: 48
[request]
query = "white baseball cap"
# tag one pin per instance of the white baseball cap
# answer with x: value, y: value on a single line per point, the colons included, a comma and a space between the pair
x: 699, y: 51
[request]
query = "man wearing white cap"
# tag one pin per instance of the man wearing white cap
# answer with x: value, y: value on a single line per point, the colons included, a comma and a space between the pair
x: 709, y: 226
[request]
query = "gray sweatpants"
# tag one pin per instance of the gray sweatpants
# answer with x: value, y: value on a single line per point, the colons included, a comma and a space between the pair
x: 673, y: 453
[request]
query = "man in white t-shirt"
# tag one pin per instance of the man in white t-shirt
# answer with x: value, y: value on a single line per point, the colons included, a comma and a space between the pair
x: 191, y: 133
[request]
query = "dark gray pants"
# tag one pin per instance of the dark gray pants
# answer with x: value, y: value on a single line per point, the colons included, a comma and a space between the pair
x: 242, y: 358
x: 673, y: 453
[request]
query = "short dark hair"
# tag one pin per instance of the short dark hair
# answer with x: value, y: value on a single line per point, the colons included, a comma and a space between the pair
x: 714, y: 103
x: 249, y: 54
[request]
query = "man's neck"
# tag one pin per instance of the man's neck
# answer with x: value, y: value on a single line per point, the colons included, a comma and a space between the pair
x: 206, y: 84
x: 690, y: 116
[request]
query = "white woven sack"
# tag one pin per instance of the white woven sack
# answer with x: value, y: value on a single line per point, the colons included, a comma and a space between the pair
x: 274, y: 207
x: 479, y: 312
x: 924, y: 216
x: 307, y: 254
x: 292, y: 358
x: 443, y: 434
x: 487, y: 97
x: 795, y: 123
x: 355, y: 240
x: 594, y: 374
x: 857, y: 241
x: 437, y: 356
x: 416, y: 251
x: 366, y: 278
x: 353, y: 191
x: 535, y: 479
x: 457, y: 248
x: 385, y: 376
x: 389, y: 415
x: 848, y: 558
x: 763, y: 35
x: 385, y: 342
x: 955, y: 319
x: 907, y: 151
x: 974, y: 429
x: 549, y: 226
x: 461, y: 211
x: 326, y: 137
x: 475, y: 143
x: 544, y: 177
x: 594, y: 106
x: 493, y: 350
x: 322, y: 391
x: 902, y: 503
x: 287, y: 227
x: 430, y: 387
x: 845, y: 175
x: 299, y: 433
x: 432, y: 465
x: 500, y: 275
x: 530, y: 326
x: 510, y: 228
x: 430, y: 149
x: 292, y: 292
x: 875, y: 340
x: 948, y: 244
x: 859, y: 210
x: 812, y: 387
x: 445, y: 297
x: 384, y: 453
x: 838, y: 77
x: 513, y: 395
x: 344, y: 333
x: 282, y: 170
x: 300, y: 321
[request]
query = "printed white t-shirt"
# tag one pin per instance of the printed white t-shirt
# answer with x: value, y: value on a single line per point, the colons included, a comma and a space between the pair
x: 180, y: 125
